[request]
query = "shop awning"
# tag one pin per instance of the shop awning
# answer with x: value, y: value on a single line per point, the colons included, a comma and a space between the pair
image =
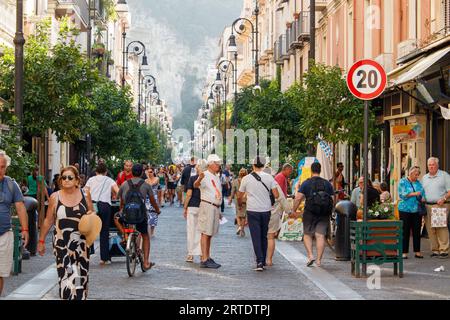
x: 415, y: 68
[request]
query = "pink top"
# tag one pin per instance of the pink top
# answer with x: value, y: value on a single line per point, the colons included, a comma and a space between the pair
x: 282, y: 181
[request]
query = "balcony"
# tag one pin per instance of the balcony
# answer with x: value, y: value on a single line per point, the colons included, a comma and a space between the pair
x: 80, y: 7
x: 266, y: 49
x: 406, y: 47
x: 281, y: 52
x: 304, y: 27
x: 294, y: 43
x: 321, y: 5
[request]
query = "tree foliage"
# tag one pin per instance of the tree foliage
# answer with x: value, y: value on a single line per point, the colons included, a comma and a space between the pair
x: 57, y: 83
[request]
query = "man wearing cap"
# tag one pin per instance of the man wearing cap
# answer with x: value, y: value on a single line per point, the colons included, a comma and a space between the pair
x: 209, y: 211
x: 9, y: 194
x: 258, y: 186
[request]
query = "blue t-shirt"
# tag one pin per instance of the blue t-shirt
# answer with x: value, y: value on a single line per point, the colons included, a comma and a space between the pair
x: 7, y: 199
x: 306, y: 187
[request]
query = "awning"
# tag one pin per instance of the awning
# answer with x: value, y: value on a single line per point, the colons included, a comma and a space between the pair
x: 414, y: 69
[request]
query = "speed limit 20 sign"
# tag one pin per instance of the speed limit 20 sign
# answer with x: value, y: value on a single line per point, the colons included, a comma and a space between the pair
x: 366, y: 79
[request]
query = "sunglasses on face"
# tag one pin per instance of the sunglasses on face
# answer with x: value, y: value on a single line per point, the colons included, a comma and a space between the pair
x: 70, y: 178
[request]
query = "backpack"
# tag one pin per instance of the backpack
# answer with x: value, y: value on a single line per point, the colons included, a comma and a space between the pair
x: 319, y: 202
x: 134, y: 211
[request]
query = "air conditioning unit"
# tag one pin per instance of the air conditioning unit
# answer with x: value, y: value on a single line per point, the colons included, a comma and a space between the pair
x: 406, y: 47
x: 386, y: 60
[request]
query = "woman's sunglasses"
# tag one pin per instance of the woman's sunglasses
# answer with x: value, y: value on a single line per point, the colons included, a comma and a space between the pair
x: 70, y: 178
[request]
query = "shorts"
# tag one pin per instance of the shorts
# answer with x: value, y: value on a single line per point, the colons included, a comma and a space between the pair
x: 141, y: 227
x: 162, y: 187
x: 274, y: 223
x: 241, y: 213
x: 180, y: 189
x: 208, y: 219
x: 315, y: 224
x: 6, y: 253
x: 171, y: 185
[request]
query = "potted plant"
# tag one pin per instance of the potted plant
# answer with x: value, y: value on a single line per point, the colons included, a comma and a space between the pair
x: 98, y: 48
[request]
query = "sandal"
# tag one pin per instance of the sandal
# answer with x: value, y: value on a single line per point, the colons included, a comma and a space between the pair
x: 149, y: 267
x: 310, y: 262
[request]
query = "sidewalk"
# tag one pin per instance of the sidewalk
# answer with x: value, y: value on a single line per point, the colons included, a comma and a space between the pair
x: 420, y: 281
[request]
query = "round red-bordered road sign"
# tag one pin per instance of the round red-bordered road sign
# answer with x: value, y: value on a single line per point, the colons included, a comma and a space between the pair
x: 366, y: 79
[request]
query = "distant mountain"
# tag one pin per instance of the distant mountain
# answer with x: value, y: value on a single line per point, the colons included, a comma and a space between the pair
x: 181, y: 37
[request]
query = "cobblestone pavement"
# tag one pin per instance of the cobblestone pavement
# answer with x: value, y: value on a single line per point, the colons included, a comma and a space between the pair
x: 173, y: 278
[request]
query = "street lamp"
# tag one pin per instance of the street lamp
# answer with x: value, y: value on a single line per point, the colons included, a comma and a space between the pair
x: 224, y: 67
x: 138, y: 49
x: 19, y: 41
x: 232, y: 47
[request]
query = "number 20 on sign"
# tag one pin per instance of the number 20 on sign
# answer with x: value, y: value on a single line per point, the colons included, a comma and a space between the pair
x: 366, y: 80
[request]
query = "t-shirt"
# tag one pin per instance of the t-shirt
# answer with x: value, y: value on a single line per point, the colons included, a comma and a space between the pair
x: 8, y: 199
x: 307, y: 188
x: 196, y: 196
x: 258, y: 198
x: 188, y: 172
x: 210, y: 188
x: 436, y: 187
x: 146, y: 189
x: 32, y: 184
x: 282, y: 182
x: 100, y: 187
x: 122, y: 177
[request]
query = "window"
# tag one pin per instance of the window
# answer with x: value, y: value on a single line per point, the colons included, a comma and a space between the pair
x: 396, y: 105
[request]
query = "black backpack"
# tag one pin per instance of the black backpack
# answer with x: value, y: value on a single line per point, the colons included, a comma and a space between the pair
x: 320, y: 202
x: 134, y: 211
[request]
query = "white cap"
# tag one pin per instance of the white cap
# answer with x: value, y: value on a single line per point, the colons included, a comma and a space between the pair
x: 7, y: 158
x: 213, y: 158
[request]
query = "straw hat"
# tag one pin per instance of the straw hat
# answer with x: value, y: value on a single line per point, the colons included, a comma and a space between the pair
x: 90, y: 226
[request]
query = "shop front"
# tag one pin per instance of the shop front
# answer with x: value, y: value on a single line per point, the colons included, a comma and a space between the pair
x: 413, y: 116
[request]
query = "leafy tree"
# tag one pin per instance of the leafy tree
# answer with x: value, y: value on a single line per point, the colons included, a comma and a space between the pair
x: 57, y: 83
x: 113, y: 118
x: 21, y: 161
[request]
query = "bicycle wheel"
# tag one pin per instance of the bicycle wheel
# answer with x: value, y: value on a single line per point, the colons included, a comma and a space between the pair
x: 131, y: 255
x: 140, y: 253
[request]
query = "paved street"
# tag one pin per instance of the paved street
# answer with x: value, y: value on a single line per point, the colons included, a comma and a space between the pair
x: 172, y: 278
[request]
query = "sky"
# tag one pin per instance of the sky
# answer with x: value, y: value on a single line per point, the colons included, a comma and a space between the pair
x: 181, y: 37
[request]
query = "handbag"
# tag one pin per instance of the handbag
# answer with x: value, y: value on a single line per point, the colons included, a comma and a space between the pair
x: 421, y: 206
x: 438, y: 217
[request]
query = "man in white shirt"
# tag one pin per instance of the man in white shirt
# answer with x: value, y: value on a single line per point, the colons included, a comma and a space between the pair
x: 209, y: 211
x: 101, y: 188
x: 257, y: 186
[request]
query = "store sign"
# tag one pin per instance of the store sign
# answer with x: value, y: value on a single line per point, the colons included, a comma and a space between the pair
x: 409, y: 133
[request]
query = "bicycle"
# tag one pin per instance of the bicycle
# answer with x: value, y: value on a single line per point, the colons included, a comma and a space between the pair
x: 134, y: 254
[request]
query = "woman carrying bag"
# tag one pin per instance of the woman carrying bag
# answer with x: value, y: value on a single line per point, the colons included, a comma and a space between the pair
x: 410, y: 208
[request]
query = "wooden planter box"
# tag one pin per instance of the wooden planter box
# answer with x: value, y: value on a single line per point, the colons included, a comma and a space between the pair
x: 376, y: 242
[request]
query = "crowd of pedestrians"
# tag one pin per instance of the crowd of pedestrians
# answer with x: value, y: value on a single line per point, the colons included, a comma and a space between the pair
x: 260, y: 199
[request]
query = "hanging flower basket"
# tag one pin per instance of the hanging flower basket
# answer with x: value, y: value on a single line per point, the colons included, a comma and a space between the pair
x: 98, y: 49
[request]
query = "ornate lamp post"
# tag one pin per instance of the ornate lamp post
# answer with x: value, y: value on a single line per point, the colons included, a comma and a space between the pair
x: 224, y: 68
x: 242, y: 29
x: 138, y: 49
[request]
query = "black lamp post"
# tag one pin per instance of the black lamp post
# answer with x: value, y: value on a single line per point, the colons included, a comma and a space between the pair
x: 138, y: 49
x: 147, y: 81
x: 232, y: 47
x: 19, y: 41
x: 224, y: 67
